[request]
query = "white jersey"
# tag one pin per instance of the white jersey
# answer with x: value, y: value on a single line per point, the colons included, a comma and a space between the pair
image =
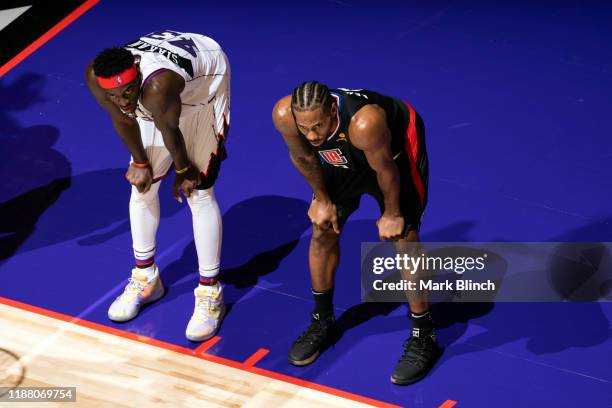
x: 198, y: 59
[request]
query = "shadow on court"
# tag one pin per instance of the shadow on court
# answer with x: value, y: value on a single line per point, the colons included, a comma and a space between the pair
x: 34, y: 174
x: 258, y: 234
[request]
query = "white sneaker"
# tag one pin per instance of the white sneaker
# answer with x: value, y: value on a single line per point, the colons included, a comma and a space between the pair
x: 207, y: 314
x: 137, y: 292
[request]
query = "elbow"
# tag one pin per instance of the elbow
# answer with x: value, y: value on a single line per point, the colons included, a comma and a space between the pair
x: 172, y: 145
x: 303, y: 160
x: 172, y: 138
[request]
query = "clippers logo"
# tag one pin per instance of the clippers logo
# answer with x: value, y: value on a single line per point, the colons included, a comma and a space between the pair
x: 334, y: 157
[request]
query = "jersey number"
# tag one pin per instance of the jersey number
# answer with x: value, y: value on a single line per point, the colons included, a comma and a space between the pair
x: 355, y: 92
x: 184, y: 43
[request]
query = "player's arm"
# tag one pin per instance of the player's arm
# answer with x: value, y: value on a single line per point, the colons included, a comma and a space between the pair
x: 162, y: 97
x: 126, y: 127
x: 370, y: 133
x: 302, y: 155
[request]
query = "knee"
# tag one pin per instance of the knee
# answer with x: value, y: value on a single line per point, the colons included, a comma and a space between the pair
x: 323, y: 238
x: 144, y: 199
x: 411, y: 236
x: 201, y: 199
x: 409, y: 244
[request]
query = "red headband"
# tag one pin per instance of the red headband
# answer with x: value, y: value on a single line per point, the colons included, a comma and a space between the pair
x: 119, y: 80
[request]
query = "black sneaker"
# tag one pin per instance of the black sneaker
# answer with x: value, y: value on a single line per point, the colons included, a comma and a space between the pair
x: 420, y: 354
x: 309, y: 345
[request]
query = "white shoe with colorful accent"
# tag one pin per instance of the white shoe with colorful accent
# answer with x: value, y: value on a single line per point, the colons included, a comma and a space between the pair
x: 139, y: 291
x: 208, y: 312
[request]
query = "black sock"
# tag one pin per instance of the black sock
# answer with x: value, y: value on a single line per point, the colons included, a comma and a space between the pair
x: 421, y: 323
x: 323, y: 302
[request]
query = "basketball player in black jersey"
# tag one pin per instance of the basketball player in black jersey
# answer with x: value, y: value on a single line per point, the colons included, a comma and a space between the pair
x: 346, y: 143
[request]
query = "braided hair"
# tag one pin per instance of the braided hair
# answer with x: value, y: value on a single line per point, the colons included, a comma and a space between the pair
x: 310, y: 96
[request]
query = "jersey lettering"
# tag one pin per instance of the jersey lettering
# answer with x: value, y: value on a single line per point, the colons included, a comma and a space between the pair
x: 182, y: 62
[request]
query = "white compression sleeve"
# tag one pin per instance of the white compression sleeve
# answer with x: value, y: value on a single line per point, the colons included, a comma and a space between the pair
x: 144, y: 220
x: 207, y: 231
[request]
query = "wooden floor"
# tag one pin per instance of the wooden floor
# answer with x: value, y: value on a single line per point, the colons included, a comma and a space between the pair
x: 113, y: 371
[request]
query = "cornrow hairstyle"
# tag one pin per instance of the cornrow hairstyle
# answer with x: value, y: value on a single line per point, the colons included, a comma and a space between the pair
x: 112, y: 61
x: 309, y: 96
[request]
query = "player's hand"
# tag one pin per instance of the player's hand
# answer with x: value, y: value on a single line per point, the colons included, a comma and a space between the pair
x: 390, y: 226
x: 323, y: 215
x: 140, y: 177
x: 186, y: 182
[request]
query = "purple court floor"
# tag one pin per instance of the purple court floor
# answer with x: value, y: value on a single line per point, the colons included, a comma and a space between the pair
x: 516, y: 98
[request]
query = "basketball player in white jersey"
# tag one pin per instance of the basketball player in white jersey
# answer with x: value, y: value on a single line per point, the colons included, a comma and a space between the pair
x: 168, y: 96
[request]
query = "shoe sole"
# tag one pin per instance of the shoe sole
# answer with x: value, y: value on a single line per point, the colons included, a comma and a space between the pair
x: 148, y: 301
x: 309, y: 360
x: 412, y: 381
x: 208, y: 336
x: 331, y: 340
x: 419, y: 378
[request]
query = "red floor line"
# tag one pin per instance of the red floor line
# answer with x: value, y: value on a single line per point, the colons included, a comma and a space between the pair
x: 448, y: 404
x: 203, y: 348
x: 56, y: 29
x: 183, y: 350
x: 258, y: 355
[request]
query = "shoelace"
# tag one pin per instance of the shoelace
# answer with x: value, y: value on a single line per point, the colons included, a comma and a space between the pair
x: 204, y: 307
x: 313, y: 333
x: 132, y: 289
x: 416, y: 351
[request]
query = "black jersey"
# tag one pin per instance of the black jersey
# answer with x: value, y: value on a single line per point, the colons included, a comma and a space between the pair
x: 346, y: 170
x: 338, y: 156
